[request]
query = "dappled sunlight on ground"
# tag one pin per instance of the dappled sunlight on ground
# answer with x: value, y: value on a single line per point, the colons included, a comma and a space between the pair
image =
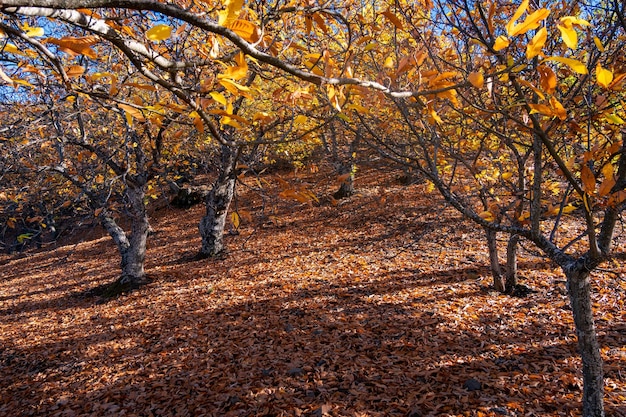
x: 379, y: 306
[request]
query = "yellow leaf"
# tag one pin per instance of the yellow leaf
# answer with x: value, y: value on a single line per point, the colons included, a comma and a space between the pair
x: 159, y: 33
x: 587, y: 179
x: 598, y: 43
x: 557, y: 107
x: 604, y: 76
x: 230, y: 13
x: 574, y: 64
x: 229, y: 121
x: 74, y: 71
x: 501, y: 43
x: 235, y: 219
x: 5, y: 77
x: 569, y: 21
x: 518, y: 13
x: 389, y: 63
x: 541, y: 109
x: 569, y: 208
x: 435, y: 117
x: 393, y: 19
x: 614, y: 119
x: 235, y: 72
x: 300, y: 119
x: 536, y: 44
x: 531, y: 22
x: 476, y: 79
x: 33, y: 32
x: 228, y: 84
x: 569, y: 36
x: 532, y: 87
x: 333, y: 97
x: 219, y: 97
x: 9, y: 47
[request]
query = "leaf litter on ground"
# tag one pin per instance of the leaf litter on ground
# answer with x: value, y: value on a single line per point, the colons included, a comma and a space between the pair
x: 378, y: 306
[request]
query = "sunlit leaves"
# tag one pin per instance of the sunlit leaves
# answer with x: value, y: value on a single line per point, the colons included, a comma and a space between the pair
x: 247, y: 30
x: 598, y: 44
x: 604, y: 77
x: 587, y: 179
x: 219, y: 97
x: 536, y: 44
x: 554, y: 109
x: 574, y: 64
x: 501, y: 43
x: 159, y: 32
x: 547, y: 78
x: 74, y: 46
x: 236, y: 72
x: 568, y: 32
x: 487, y: 216
x: 393, y: 19
x: 531, y: 22
x: 9, y: 47
x: 5, y: 77
x: 476, y: 79
x: 131, y: 113
x: 231, y: 12
x: 334, y: 96
x: 33, y: 32
x: 612, y: 118
x: 74, y: 71
x: 518, y: 13
x: 609, y: 180
x: 197, y: 121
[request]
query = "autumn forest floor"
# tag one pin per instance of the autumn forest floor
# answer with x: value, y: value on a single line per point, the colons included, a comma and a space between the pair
x: 379, y: 306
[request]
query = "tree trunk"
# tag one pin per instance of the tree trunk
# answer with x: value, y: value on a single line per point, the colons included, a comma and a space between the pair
x: 346, y: 189
x: 213, y: 223
x: 579, y: 288
x: 496, y: 272
x: 511, y: 263
x: 132, y: 248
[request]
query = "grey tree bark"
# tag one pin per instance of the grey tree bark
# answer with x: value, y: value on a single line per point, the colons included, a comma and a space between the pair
x: 132, y: 248
x: 494, y: 262
x: 218, y: 201
x: 579, y: 288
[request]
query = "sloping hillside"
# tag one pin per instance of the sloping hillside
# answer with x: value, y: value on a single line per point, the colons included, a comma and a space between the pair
x: 377, y: 306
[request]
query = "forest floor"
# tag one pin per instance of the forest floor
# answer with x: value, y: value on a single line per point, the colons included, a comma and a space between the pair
x: 378, y: 306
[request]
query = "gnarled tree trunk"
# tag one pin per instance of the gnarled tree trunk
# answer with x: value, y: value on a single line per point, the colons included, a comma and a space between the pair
x: 511, y: 263
x: 579, y: 288
x: 217, y: 203
x: 132, y: 248
x: 496, y: 271
x: 346, y: 188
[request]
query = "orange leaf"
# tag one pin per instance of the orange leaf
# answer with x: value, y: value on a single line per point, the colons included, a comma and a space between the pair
x: 476, y: 79
x: 588, y: 179
x: 393, y: 19
x: 74, y: 71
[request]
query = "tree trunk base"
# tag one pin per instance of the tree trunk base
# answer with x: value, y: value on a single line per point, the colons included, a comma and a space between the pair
x: 123, y: 285
x: 218, y: 256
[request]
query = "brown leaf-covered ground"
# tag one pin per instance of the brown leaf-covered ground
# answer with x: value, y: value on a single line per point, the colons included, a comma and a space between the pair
x: 379, y: 306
